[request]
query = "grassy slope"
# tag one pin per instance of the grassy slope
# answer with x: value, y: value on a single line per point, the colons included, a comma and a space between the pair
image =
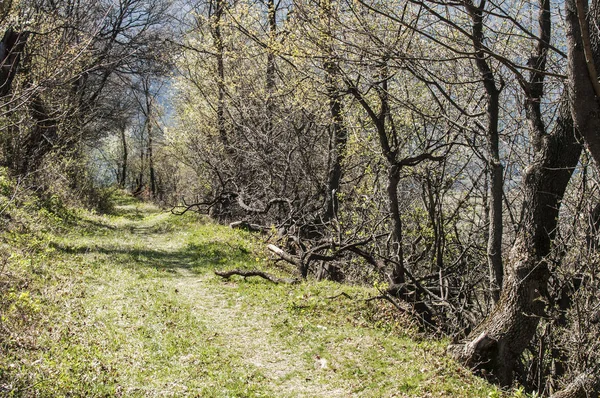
x: 128, y: 305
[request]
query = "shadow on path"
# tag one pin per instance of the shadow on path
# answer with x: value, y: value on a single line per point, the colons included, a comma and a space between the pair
x: 201, y: 256
x: 145, y: 241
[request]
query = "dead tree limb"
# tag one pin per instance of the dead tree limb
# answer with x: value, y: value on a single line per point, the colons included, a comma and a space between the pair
x: 270, y: 203
x: 285, y: 256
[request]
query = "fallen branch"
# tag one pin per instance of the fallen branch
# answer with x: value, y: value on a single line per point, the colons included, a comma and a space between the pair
x: 248, y: 273
x: 391, y: 301
x: 203, y: 207
x: 245, y: 225
x: 270, y: 203
x: 285, y: 256
x: 342, y: 294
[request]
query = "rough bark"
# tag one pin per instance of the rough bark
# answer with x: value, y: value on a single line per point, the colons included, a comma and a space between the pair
x: 497, y: 343
x: 534, y: 89
x: 495, y: 228
x: 398, y: 274
x: 339, y: 138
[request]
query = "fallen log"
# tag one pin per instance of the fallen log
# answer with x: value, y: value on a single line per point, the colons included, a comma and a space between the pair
x: 249, y: 273
x: 245, y: 225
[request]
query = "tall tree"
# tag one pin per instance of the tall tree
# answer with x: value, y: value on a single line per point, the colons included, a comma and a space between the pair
x: 497, y: 343
x: 338, y: 132
x: 216, y: 21
x: 495, y: 199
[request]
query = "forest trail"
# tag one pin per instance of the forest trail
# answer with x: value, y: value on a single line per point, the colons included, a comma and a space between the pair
x: 131, y: 307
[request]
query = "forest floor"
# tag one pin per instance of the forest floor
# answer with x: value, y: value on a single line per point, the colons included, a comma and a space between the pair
x: 129, y: 305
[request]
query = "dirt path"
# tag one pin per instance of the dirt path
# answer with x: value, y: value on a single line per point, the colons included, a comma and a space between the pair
x: 245, y: 332
x: 129, y: 306
x: 249, y: 334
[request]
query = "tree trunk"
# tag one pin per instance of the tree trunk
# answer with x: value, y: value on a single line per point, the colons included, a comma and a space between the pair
x: 40, y: 140
x: 220, y: 54
x: 270, y: 73
x: 581, y: 64
x: 150, y: 142
x: 495, y: 227
x: 379, y: 119
x: 338, y: 132
x: 150, y: 155
x: 398, y: 273
x: 140, y: 184
x: 123, y: 176
x: 11, y: 47
x: 497, y: 343
x: 339, y: 138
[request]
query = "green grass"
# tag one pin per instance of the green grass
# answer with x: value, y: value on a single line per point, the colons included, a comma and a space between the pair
x: 128, y: 305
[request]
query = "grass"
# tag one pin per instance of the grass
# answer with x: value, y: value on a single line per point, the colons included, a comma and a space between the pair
x: 128, y: 305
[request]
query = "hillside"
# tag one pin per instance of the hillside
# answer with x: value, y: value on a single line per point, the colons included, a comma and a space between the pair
x: 128, y: 305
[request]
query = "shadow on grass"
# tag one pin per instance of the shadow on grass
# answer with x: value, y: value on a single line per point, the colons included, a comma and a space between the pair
x: 93, y: 224
x: 135, y: 212
x: 128, y: 206
x: 194, y: 257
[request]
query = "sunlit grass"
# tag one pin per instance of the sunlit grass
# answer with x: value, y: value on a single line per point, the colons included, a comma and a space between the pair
x: 128, y: 305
